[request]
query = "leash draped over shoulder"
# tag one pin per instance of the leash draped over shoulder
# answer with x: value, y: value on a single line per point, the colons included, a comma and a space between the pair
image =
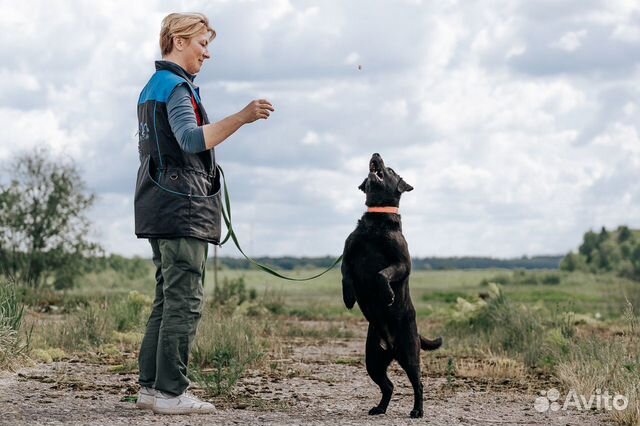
x: 226, y: 214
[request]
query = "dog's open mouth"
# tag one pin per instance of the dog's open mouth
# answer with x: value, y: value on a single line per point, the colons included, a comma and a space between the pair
x: 375, y: 170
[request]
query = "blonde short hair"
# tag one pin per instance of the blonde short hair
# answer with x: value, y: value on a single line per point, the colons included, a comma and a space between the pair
x: 185, y: 25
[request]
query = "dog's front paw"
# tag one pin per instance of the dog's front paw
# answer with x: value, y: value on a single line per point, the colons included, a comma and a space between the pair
x: 393, y: 299
x: 416, y: 413
x: 349, y: 303
x: 375, y: 411
x: 388, y: 296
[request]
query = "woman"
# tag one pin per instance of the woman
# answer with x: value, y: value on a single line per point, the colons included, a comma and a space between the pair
x: 177, y: 206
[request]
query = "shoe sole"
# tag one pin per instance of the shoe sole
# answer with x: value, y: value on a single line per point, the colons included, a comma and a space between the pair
x: 169, y: 411
x: 143, y: 406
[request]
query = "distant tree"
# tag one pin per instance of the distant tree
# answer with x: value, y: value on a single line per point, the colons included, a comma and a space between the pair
x: 617, y: 252
x: 607, y: 255
x: 573, y: 262
x: 589, y: 245
x: 130, y: 268
x: 43, y: 228
x: 604, y: 235
x: 624, y: 234
x: 635, y: 261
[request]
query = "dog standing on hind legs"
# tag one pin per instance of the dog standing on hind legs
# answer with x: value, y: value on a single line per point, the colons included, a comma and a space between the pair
x: 375, y: 273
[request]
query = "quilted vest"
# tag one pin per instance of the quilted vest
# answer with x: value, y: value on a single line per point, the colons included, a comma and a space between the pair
x: 177, y: 193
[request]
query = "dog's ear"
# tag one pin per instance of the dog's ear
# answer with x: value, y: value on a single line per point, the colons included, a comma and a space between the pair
x: 404, y: 186
x: 363, y: 185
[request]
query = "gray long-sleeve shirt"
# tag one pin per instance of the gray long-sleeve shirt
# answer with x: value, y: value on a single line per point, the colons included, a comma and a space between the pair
x: 183, y: 121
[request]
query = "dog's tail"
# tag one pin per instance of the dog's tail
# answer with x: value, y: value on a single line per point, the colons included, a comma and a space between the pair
x: 430, y: 345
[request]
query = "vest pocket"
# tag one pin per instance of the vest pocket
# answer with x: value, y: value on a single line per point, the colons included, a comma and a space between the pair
x: 175, y: 181
x: 205, y: 210
x: 161, y: 209
x: 178, y: 202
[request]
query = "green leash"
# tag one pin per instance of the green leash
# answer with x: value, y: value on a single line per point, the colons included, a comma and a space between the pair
x: 226, y: 214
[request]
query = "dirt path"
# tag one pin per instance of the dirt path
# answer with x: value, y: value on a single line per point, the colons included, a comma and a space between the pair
x: 326, y: 384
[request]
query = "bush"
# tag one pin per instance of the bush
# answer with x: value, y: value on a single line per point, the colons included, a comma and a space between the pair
x: 224, y: 348
x: 611, y: 364
x: 49, y: 300
x: 232, y: 292
x: 521, y: 277
x: 88, y: 327
x: 500, y: 326
x: 501, y: 279
x: 551, y: 279
x: 128, y: 314
x: 273, y: 301
x: 595, y: 363
x: 443, y: 296
x: 129, y: 268
x: 92, y: 326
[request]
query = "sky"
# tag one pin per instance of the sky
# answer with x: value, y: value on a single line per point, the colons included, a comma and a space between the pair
x: 515, y: 121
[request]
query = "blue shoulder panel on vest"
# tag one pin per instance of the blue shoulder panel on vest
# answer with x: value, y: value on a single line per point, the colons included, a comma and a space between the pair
x: 160, y: 86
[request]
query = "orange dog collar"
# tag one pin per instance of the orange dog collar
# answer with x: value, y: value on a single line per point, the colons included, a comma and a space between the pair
x: 383, y: 210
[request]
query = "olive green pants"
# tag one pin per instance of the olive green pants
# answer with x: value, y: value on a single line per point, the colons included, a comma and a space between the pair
x: 177, y: 308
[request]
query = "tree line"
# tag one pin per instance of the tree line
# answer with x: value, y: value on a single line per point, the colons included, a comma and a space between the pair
x: 44, y: 235
x: 418, y: 263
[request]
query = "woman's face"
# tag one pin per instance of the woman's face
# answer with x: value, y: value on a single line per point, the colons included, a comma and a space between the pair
x: 195, y: 51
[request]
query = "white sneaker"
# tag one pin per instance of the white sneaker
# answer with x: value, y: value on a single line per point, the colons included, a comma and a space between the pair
x: 146, y: 397
x: 181, y: 404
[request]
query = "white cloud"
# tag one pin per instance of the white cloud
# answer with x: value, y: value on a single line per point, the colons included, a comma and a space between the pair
x: 630, y: 108
x: 13, y: 82
x: 627, y: 33
x: 620, y: 15
x: 27, y: 131
x: 621, y: 138
x: 352, y: 58
x: 570, y: 41
x: 395, y: 109
x: 516, y: 50
x: 311, y: 138
x: 511, y: 150
x: 277, y: 11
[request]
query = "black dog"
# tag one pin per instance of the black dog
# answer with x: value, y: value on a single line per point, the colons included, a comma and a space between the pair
x: 375, y: 273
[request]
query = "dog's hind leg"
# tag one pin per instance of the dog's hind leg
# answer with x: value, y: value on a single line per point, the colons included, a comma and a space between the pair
x: 408, y: 356
x: 378, y: 360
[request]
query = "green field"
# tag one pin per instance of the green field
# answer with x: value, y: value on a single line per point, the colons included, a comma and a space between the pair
x: 437, y: 291
x: 582, y: 329
x: 433, y: 292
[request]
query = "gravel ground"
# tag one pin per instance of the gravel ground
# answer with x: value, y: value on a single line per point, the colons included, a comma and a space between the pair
x: 326, y: 384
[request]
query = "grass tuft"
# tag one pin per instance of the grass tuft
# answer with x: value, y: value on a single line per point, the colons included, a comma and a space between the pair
x: 599, y: 363
x: 225, y: 348
x: 500, y: 326
x: 11, y: 317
